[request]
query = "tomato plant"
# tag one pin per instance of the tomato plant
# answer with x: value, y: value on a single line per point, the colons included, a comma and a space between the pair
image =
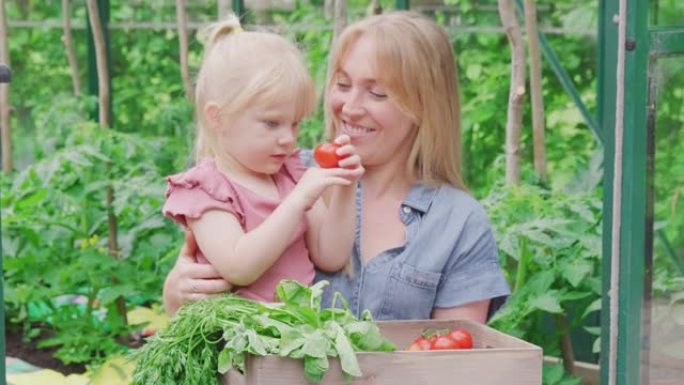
x: 326, y: 155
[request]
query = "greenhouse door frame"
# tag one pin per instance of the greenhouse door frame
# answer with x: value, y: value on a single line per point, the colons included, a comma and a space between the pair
x: 628, y: 363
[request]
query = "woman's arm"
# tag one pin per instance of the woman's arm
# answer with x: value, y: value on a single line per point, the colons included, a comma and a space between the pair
x: 190, y: 281
x: 475, y: 311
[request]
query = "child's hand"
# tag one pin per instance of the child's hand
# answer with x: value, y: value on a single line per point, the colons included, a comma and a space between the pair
x: 316, y: 180
x: 350, y: 159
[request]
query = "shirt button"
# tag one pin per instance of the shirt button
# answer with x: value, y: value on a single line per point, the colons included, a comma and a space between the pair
x: 406, y: 209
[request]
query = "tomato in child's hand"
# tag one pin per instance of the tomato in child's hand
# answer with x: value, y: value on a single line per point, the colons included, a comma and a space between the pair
x: 462, y: 338
x: 326, y: 155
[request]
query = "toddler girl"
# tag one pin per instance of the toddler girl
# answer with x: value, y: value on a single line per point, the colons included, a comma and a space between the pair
x: 252, y: 206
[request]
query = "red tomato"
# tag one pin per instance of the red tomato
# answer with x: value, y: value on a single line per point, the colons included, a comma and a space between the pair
x: 414, y: 347
x: 424, y: 343
x: 462, y: 338
x: 444, y: 343
x: 326, y: 155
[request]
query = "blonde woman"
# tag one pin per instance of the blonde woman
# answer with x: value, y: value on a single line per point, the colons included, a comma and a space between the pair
x: 252, y: 206
x: 423, y: 247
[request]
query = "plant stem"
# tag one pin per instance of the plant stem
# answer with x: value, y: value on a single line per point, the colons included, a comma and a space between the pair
x: 565, y: 343
x: 521, y: 274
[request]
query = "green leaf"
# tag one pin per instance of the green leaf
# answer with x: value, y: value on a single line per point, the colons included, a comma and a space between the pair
x: 365, y: 336
x: 546, y: 302
x: 225, y: 361
x: 473, y: 71
x: 348, y: 361
x: 540, y: 282
x: 316, y: 344
x: 596, y: 348
x: 290, y: 341
x: 256, y: 343
x: 594, y: 306
x: 315, y: 368
x: 293, y: 293
x: 576, y: 270
x: 566, y: 295
x: 552, y: 373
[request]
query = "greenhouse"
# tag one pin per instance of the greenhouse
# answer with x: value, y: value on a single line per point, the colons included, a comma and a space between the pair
x: 342, y: 192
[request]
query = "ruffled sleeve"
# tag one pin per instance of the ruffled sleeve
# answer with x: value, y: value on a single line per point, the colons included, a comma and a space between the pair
x: 202, y: 188
x: 294, y: 167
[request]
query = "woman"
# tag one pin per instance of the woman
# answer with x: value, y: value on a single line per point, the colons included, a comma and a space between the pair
x: 423, y: 246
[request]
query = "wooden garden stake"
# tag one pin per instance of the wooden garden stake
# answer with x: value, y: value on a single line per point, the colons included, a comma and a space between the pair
x: 375, y: 8
x: 68, y: 40
x: 340, y: 18
x: 516, y: 96
x: 536, y: 93
x: 6, y: 133
x: 223, y: 8
x: 105, y: 122
x: 182, y: 25
x: 101, y: 61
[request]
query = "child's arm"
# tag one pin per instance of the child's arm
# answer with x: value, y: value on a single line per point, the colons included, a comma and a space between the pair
x: 330, y: 237
x: 332, y: 228
x: 241, y: 258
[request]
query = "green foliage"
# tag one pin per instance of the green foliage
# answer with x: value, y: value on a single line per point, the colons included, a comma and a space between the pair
x: 554, y: 374
x: 55, y: 236
x: 54, y: 213
x: 215, y: 335
x: 550, y: 248
x: 668, y: 180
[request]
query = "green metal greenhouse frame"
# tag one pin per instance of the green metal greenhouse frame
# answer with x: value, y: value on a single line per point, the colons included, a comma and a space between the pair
x: 634, y: 53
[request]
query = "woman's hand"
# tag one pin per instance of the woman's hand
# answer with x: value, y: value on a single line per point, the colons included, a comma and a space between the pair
x: 189, y: 280
x: 350, y: 159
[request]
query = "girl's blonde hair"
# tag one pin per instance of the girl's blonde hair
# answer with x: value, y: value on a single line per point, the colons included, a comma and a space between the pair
x: 240, y: 68
x: 419, y: 75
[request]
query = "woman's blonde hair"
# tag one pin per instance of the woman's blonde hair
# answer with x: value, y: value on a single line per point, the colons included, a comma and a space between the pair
x: 240, y: 68
x: 419, y: 75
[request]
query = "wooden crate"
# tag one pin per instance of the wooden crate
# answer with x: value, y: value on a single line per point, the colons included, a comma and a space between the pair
x: 496, y: 359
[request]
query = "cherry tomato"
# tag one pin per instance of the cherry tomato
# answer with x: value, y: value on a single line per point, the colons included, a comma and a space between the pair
x: 414, y: 347
x: 444, y: 343
x: 462, y: 338
x: 326, y: 155
x: 424, y: 343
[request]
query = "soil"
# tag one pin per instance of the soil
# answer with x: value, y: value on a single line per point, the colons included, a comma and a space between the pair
x: 28, y: 351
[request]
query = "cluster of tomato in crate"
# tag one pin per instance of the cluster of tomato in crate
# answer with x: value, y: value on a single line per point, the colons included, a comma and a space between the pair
x: 442, y: 339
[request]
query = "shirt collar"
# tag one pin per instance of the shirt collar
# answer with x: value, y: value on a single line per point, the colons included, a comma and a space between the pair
x: 420, y: 197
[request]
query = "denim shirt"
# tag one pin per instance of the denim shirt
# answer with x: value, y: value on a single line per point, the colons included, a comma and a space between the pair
x: 449, y: 259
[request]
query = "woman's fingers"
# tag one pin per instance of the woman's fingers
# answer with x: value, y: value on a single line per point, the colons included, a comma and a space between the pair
x: 352, y: 161
x: 190, y: 243
x: 342, y: 140
x: 209, y: 286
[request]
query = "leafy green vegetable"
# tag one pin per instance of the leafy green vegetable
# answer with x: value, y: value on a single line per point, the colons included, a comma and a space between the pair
x: 213, y: 336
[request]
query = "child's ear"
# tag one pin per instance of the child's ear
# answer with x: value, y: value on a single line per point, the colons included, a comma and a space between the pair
x: 212, y: 115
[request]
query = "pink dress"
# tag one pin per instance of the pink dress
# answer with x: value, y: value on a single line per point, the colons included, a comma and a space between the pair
x: 204, y: 188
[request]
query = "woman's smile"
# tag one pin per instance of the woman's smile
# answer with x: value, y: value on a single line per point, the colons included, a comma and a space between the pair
x: 356, y: 131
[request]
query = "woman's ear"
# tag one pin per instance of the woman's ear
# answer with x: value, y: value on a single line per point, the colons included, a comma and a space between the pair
x: 212, y: 115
